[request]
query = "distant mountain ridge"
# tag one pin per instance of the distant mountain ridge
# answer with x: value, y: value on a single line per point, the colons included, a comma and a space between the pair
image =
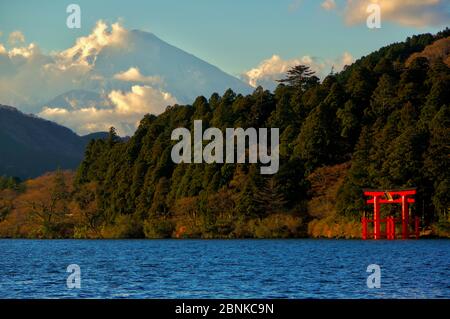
x: 31, y: 146
x: 76, y: 99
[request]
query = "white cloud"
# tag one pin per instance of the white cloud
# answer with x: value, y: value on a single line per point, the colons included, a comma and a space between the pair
x: 416, y: 13
x: 141, y: 99
x: 270, y: 69
x: 29, y: 78
x: 347, y: 59
x: 24, y: 52
x: 86, y: 49
x: 134, y: 75
x: 16, y: 37
x: 328, y: 5
x: 22, y: 80
x: 128, y: 109
x: 85, y: 120
x: 275, y: 68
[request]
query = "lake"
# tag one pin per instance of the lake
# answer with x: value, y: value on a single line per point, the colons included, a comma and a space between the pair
x: 224, y: 268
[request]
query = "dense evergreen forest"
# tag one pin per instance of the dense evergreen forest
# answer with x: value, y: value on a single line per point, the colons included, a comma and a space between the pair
x: 383, y: 122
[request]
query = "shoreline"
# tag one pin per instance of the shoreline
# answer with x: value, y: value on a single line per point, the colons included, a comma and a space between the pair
x: 428, y: 238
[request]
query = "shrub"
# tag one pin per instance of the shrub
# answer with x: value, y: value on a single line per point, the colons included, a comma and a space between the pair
x: 158, y: 228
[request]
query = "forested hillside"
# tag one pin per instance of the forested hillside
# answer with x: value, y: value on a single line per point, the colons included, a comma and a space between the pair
x: 382, y: 123
x: 31, y: 146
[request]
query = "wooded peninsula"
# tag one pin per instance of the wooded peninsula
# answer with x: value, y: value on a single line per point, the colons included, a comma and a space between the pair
x: 383, y: 122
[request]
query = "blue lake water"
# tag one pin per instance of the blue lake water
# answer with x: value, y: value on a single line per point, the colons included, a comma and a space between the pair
x: 224, y: 269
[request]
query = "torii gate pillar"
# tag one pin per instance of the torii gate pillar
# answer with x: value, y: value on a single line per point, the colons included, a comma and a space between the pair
x: 405, y: 218
x: 376, y: 218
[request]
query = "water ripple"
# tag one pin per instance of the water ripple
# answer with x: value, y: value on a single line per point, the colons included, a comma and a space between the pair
x: 224, y: 269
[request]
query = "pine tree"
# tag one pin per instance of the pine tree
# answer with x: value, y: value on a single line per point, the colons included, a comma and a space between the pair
x: 269, y: 198
x: 300, y: 77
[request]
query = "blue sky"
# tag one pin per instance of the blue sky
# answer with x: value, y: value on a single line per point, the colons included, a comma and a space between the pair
x: 232, y: 35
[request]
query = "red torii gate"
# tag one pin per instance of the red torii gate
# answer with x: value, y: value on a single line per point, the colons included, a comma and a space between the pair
x: 378, y: 197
